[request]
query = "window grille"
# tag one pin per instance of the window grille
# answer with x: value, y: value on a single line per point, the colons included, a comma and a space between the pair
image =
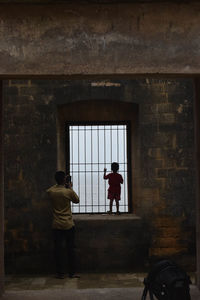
x: 92, y: 148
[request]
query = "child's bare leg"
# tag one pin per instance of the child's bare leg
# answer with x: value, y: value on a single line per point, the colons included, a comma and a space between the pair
x: 117, y: 205
x: 111, y: 204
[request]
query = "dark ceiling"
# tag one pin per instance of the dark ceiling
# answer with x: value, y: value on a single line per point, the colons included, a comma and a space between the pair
x: 96, y: 1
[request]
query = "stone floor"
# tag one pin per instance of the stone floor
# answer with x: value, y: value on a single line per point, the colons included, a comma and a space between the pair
x: 88, y: 287
x: 86, y: 281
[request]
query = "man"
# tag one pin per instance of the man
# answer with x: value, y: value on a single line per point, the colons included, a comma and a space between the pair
x: 61, y: 197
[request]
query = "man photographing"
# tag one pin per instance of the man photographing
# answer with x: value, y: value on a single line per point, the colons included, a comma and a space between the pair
x: 61, y: 196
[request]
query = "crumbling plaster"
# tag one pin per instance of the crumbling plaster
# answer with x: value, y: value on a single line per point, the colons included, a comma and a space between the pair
x: 72, y: 39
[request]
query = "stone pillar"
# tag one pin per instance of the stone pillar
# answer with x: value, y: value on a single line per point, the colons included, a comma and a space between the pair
x: 197, y: 152
x: 1, y: 196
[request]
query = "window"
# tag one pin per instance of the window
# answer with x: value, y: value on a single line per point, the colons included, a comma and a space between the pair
x: 91, y: 148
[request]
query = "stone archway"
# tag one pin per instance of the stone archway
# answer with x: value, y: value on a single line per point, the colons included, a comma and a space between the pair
x: 101, y: 111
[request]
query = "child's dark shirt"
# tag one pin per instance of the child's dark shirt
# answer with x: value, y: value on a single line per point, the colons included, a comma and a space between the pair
x: 114, y: 180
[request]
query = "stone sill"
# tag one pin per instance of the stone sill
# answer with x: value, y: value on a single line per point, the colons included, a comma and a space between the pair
x: 105, y: 217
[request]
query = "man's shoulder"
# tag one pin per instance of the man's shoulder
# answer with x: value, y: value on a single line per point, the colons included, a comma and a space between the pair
x: 56, y: 188
x: 51, y: 188
x: 68, y: 191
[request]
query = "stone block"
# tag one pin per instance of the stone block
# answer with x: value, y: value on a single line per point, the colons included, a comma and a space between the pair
x: 157, y: 153
x: 163, y: 242
x: 167, y: 108
x: 167, y: 252
x: 31, y: 90
x: 159, y: 118
x: 157, y: 139
x: 168, y: 232
x: 167, y: 221
x: 165, y: 172
x: 11, y: 91
x: 20, y: 82
x: 149, y: 109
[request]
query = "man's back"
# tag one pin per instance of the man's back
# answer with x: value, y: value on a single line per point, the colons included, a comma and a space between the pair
x: 61, y: 198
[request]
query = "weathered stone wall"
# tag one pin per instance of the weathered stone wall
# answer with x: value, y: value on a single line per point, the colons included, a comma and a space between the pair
x: 165, y: 174
x: 1, y: 196
x: 197, y: 164
x: 80, y: 38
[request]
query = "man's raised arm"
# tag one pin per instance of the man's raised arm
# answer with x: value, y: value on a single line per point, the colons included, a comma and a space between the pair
x: 74, y: 197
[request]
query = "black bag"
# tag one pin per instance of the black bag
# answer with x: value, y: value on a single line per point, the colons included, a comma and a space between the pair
x: 167, y: 281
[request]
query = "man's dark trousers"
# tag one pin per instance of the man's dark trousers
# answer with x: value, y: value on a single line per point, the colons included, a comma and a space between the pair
x: 64, y: 239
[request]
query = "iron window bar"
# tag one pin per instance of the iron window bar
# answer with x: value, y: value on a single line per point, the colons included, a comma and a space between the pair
x: 90, y: 148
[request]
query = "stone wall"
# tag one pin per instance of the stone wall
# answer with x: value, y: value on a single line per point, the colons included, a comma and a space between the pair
x: 165, y: 189
x: 1, y: 196
x: 83, y: 38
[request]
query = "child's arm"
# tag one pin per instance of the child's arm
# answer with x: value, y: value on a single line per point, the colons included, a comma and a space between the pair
x: 104, y: 173
x: 121, y: 181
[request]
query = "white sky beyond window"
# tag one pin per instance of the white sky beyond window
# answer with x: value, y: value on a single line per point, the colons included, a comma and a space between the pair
x: 93, y: 148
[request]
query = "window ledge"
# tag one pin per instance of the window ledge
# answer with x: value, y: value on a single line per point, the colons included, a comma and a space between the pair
x: 103, y: 217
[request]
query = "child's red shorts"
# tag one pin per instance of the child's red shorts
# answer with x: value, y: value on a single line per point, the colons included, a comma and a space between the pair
x: 113, y: 196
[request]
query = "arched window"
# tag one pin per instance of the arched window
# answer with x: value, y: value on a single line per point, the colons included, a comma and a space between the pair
x: 104, y: 131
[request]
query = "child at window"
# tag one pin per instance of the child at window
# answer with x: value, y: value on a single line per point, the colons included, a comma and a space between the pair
x: 114, y: 191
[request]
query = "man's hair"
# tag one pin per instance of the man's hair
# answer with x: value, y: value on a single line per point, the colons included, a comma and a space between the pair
x: 114, y: 166
x: 59, y: 177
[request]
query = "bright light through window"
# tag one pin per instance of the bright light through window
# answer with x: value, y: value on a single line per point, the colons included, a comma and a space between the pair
x: 93, y: 148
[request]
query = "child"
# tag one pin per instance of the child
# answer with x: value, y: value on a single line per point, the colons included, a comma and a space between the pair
x: 114, y: 180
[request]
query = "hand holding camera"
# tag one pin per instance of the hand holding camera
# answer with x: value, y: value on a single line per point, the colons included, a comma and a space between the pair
x: 68, y: 183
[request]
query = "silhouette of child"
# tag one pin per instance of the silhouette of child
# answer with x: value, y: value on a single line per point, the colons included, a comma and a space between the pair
x: 114, y: 191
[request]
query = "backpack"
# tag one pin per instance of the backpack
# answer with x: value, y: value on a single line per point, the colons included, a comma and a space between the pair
x: 167, y: 281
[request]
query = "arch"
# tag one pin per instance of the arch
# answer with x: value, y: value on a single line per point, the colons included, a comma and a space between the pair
x: 101, y: 111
